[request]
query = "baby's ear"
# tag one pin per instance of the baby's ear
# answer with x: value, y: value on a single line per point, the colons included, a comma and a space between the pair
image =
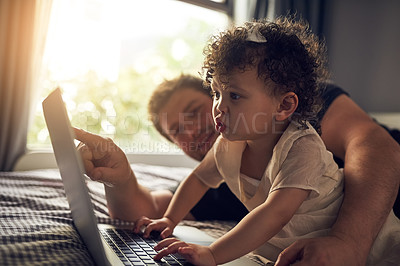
x: 287, y: 105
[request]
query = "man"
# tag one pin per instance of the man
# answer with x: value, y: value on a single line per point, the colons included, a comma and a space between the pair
x: 180, y: 110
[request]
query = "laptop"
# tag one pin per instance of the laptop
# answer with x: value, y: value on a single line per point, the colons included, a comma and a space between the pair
x: 107, y: 244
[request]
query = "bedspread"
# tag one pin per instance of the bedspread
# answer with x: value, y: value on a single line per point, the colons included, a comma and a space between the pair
x: 36, y: 225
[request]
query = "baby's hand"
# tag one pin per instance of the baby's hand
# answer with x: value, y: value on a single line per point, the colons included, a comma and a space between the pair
x: 195, y: 254
x: 103, y: 160
x: 163, y: 225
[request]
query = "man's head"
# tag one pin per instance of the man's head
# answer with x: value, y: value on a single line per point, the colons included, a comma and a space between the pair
x: 180, y: 109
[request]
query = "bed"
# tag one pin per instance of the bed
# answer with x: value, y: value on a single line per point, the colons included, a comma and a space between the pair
x: 36, y: 224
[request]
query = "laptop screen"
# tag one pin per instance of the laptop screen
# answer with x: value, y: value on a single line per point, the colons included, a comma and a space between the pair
x: 71, y: 169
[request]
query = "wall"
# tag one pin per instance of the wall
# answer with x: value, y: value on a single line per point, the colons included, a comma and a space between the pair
x: 364, y: 51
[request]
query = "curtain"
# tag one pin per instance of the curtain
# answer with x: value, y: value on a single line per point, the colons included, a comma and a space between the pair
x: 23, y: 27
x: 312, y: 11
x: 261, y: 9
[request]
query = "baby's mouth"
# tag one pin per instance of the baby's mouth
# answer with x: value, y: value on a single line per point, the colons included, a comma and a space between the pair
x: 220, y: 127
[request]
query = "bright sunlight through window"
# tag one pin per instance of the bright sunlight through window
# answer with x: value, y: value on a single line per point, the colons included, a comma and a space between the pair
x: 108, y: 56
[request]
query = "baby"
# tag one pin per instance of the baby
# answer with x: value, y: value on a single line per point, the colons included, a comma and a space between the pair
x: 264, y: 78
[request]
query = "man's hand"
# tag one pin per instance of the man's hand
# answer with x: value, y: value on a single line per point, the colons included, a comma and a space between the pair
x: 194, y: 254
x: 103, y: 160
x: 330, y: 250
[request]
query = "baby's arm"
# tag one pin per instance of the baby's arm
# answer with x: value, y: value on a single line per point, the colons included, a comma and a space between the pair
x: 259, y: 225
x: 254, y: 230
x: 186, y: 196
x: 189, y: 192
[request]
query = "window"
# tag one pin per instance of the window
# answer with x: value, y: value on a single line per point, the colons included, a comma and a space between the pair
x: 109, y: 55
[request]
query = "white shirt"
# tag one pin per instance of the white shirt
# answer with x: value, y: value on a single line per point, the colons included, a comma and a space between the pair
x: 300, y: 160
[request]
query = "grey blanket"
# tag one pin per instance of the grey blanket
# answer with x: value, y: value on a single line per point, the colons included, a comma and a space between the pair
x: 36, y: 226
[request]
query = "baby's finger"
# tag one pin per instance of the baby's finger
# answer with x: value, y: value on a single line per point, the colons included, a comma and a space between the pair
x: 188, y: 250
x: 172, y: 248
x: 152, y: 227
x: 165, y: 243
x: 143, y: 221
x: 166, y: 232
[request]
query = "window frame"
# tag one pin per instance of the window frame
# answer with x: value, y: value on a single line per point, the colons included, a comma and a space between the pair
x: 226, y: 7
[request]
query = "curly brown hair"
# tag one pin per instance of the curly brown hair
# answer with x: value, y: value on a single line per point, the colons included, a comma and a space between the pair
x: 289, y: 54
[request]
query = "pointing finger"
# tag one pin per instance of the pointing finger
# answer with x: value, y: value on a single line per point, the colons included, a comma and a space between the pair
x: 92, y: 140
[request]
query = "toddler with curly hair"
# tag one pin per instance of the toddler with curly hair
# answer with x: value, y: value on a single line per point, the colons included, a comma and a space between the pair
x: 264, y: 78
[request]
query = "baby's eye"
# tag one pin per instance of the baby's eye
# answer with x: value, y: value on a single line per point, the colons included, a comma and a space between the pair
x: 234, y: 96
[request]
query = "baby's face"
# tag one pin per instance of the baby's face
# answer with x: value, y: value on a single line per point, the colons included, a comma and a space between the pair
x: 243, y: 109
x: 187, y: 120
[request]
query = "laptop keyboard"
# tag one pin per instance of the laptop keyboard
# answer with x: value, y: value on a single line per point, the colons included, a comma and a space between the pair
x: 135, y: 250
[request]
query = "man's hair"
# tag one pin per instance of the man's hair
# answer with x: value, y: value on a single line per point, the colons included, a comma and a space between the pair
x: 285, y: 52
x: 164, y: 92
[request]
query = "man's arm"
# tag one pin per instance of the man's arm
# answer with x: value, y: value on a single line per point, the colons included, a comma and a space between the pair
x: 372, y: 170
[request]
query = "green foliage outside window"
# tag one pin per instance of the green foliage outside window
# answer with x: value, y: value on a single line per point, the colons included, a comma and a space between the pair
x: 118, y: 109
